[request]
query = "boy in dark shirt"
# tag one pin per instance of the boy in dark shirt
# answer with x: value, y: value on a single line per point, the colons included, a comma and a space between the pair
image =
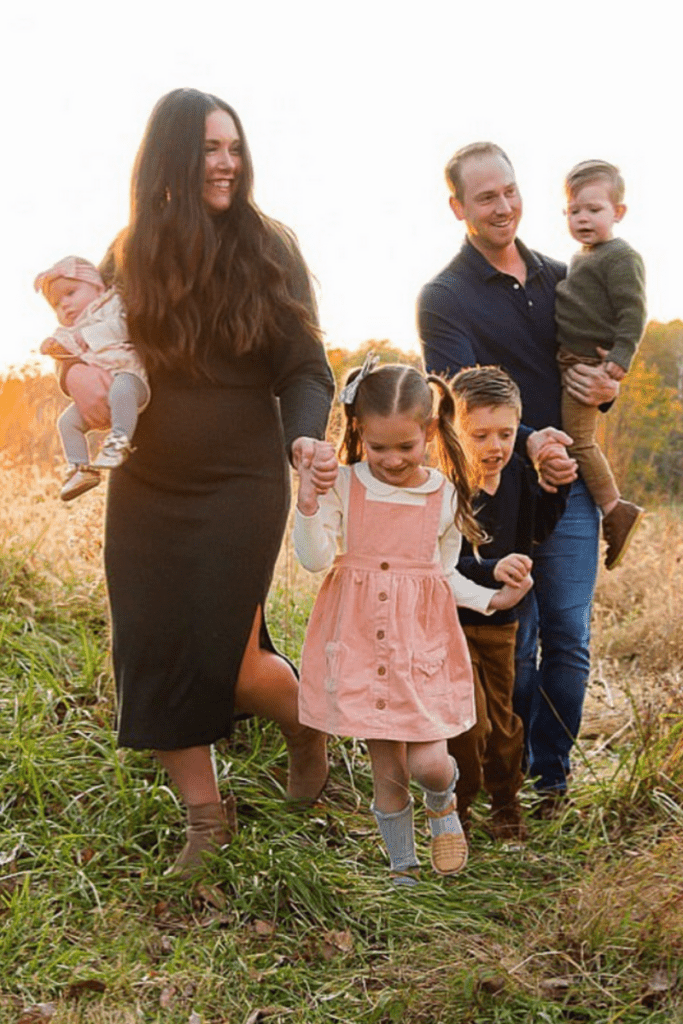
x: 516, y: 513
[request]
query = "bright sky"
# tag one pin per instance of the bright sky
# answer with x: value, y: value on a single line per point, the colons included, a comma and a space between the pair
x: 351, y: 111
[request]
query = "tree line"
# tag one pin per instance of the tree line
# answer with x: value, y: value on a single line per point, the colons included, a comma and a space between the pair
x: 642, y: 435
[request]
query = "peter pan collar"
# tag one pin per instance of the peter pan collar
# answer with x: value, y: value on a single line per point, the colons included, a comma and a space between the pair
x: 371, y: 483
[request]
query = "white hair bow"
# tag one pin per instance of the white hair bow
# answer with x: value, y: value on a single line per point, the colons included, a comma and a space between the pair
x: 347, y: 395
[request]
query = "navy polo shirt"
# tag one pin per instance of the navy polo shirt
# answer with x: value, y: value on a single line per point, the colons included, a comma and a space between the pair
x: 473, y: 314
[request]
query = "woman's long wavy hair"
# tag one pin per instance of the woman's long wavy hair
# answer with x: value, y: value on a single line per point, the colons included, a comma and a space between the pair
x: 191, y: 280
x: 392, y: 389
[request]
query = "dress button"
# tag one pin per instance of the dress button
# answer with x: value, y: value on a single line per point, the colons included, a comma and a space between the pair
x: 515, y: 286
x: 384, y: 565
x: 380, y: 634
x: 382, y: 596
x: 530, y: 302
x: 381, y: 671
x: 380, y: 705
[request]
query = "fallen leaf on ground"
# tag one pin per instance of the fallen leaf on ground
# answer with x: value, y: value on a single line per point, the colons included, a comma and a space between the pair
x: 342, y: 940
x: 167, y: 996
x: 336, y: 942
x: 37, y: 1014
x: 263, y: 1013
x: 74, y: 990
x: 555, y: 985
x: 212, y: 895
x: 264, y: 928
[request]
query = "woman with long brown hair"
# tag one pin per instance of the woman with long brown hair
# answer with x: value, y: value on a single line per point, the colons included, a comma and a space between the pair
x: 221, y: 311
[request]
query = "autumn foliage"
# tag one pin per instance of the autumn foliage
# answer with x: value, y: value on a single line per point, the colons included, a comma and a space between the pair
x: 642, y: 435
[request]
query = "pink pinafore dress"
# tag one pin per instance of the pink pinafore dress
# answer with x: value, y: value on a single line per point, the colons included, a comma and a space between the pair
x: 385, y: 656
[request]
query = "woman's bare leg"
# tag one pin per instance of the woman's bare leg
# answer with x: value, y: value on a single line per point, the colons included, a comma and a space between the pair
x: 192, y: 772
x: 267, y: 687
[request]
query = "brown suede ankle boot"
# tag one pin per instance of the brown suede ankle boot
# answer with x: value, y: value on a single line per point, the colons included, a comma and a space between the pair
x: 209, y: 826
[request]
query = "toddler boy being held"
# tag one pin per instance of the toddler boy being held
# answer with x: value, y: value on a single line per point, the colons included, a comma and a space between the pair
x: 516, y: 513
x: 600, y: 314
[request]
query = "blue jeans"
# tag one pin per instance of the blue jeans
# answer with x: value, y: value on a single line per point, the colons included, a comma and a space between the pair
x: 549, y: 690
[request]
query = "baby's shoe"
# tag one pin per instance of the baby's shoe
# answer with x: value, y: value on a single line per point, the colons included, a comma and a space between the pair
x: 115, y: 451
x: 79, y: 479
x: 618, y: 527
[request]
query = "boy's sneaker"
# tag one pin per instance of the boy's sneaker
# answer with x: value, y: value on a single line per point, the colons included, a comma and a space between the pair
x: 506, y: 823
x: 115, y: 451
x: 618, y: 527
x: 79, y: 479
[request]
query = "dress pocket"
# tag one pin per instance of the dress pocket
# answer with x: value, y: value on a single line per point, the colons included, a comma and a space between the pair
x: 334, y: 656
x: 429, y: 670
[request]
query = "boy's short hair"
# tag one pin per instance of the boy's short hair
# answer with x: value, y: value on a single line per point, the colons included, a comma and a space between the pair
x: 481, y: 387
x: 595, y: 170
x: 453, y: 168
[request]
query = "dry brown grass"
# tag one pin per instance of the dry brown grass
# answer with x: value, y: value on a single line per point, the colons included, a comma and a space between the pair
x: 62, y: 541
x: 637, y: 621
x: 637, y: 647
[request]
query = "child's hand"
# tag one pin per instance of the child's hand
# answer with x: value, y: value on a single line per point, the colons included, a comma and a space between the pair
x: 513, y: 569
x: 508, y: 597
x: 615, y: 371
x: 307, y: 499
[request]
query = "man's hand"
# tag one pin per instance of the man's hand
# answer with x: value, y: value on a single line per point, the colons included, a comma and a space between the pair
x: 89, y: 387
x: 513, y: 569
x: 547, y: 449
x: 591, y: 385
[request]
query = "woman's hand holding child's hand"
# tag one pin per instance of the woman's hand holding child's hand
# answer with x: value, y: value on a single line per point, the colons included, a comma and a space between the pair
x: 513, y: 569
x: 317, y: 466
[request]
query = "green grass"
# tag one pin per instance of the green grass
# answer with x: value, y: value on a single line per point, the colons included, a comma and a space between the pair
x: 295, y: 918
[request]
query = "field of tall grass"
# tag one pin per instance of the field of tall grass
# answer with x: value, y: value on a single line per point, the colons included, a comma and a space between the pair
x: 295, y: 923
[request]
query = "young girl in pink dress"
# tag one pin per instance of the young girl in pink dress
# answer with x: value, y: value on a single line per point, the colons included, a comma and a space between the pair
x: 385, y: 658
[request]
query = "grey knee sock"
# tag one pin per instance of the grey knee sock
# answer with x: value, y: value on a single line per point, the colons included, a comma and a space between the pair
x: 439, y: 801
x: 126, y: 394
x: 397, y: 832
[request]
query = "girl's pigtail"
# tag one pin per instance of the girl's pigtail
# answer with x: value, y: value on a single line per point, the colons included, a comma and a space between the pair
x: 351, y: 445
x: 454, y: 464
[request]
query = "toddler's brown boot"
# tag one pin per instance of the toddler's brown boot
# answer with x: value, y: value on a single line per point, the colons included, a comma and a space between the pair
x: 618, y: 527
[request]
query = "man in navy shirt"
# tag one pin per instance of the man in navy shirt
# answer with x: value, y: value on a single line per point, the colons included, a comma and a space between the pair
x: 494, y: 304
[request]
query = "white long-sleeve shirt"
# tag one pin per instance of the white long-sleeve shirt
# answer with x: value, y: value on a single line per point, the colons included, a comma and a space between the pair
x: 318, y: 538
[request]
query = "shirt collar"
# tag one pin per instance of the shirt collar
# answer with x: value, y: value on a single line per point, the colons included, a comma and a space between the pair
x: 479, y: 262
x: 371, y: 483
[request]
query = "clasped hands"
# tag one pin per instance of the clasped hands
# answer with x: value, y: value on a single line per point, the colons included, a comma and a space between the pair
x: 316, y: 463
x: 547, y: 448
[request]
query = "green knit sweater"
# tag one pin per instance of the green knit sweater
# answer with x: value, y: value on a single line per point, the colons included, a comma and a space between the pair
x: 601, y: 302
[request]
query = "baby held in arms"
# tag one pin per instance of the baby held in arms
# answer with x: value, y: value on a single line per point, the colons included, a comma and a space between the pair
x: 92, y: 329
